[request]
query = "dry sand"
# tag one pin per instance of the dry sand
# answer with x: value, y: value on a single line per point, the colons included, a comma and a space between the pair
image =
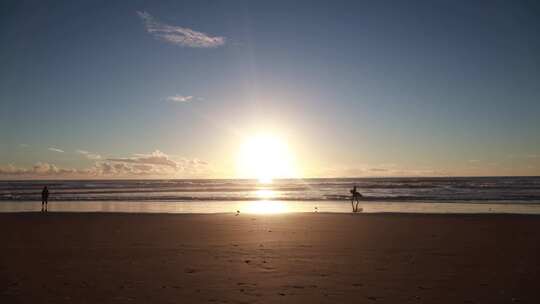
x: 286, y: 258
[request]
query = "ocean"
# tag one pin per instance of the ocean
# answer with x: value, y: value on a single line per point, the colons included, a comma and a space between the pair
x: 419, y: 194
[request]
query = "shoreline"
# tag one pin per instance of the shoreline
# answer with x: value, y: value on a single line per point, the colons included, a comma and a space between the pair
x: 485, y: 214
x: 269, y: 206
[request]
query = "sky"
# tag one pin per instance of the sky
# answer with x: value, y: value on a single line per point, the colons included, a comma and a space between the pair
x: 174, y: 89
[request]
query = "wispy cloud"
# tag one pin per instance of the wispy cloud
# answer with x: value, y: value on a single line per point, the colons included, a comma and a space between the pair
x: 180, y: 98
x: 56, y: 150
x: 530, y: 156
x: 379, y: 170
x: 382, y: 170
x: 89, y: 155
x: 179, y: 35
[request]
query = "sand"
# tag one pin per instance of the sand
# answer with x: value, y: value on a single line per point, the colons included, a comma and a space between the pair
x: 284, y: 258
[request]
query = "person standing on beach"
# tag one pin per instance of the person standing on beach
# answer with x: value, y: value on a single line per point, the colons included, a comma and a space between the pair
x: 355, y: 196
x: 44, y: 198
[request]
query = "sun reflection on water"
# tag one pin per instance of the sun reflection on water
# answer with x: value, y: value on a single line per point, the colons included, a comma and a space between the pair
x: 265, y: 193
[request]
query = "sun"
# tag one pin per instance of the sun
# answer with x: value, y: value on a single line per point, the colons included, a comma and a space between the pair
x: 265, y: 157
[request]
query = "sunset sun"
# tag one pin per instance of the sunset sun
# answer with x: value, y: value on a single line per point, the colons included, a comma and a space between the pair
x: 265, y: 157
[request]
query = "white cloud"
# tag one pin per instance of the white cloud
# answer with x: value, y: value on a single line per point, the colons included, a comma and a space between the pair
x: 10, y: 169
x: 154, y: 165
x: 180, y: 98
x: 56, y: 150
x: 40, y: 169
x: 89, y: 155
x: 155, y: 158
x: 44, y: 168
x: 179, y: 35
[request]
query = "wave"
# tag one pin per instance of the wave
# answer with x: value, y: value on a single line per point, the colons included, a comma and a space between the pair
x: 374, y: 189
x: 133, y: 198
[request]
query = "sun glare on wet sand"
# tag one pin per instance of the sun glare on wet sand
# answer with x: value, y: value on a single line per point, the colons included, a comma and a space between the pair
x: 265, y: 207
x: 265, y: 157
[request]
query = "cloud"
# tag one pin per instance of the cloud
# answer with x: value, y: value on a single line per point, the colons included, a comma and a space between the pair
x: 155, y: 158
x: 180, y: 98
x: 131, y: 169
x: 56, y: 150
x: 154, y: 165
x: 523, y: 156
x: 89, y: 155
x: 381, y: 170
x: 44, y: 168
x: 179, y: 35
x: 10, y: 169
x: 37, y: 170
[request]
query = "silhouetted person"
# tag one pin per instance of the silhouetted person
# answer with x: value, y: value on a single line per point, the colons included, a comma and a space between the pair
x: 355, y: 196
x: 44, y: 198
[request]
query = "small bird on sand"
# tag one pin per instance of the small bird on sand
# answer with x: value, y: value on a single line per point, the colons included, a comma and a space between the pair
x: 237, y: 213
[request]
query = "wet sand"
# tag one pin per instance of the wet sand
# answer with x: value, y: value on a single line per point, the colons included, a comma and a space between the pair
x: 282, y: 258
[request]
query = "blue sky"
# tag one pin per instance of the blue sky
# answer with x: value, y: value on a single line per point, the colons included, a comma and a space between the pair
x: 355, y: 88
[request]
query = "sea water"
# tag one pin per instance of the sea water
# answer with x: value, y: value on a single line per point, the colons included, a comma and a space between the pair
x: 422, y: 195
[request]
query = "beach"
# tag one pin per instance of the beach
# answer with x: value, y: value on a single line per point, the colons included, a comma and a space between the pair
x: 279, y: 258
